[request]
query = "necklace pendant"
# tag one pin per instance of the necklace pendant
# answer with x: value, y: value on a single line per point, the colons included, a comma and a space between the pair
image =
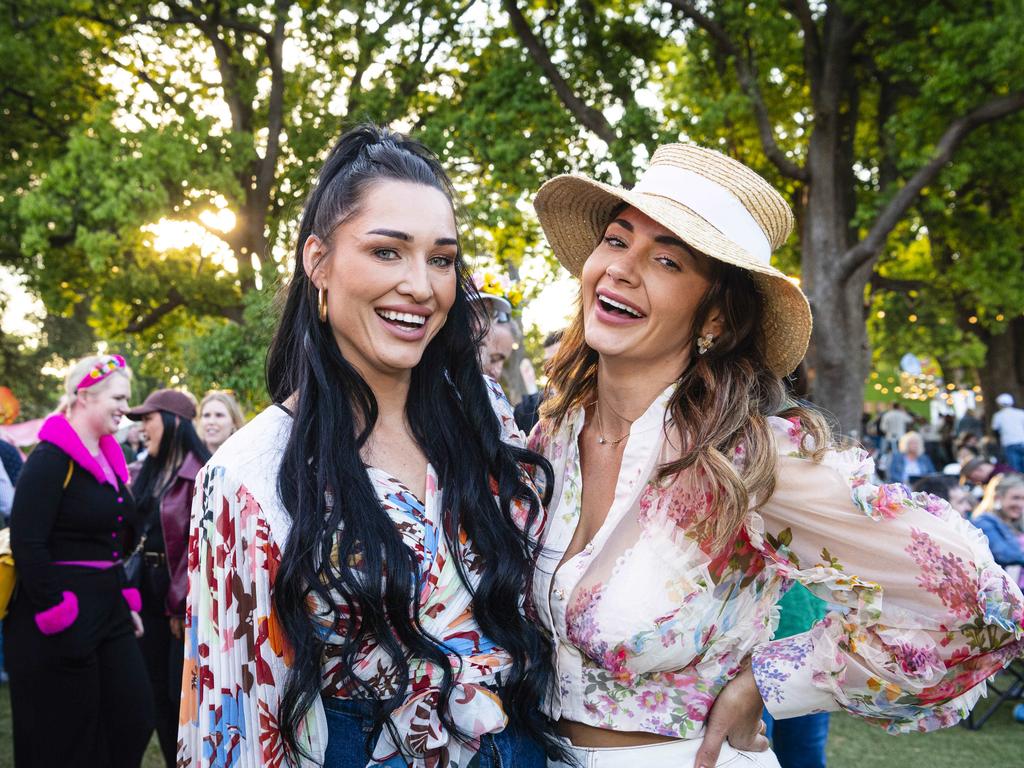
x: 601, y: 440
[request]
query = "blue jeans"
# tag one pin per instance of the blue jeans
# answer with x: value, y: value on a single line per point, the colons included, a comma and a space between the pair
x: 799, y: 742
x: 350, y: 722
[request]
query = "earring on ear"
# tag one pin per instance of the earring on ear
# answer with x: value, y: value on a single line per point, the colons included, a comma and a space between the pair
x: 704, y: 343
x: 321, y: 304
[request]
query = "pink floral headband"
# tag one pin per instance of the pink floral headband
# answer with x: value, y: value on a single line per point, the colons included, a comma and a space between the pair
x: 101, y: 370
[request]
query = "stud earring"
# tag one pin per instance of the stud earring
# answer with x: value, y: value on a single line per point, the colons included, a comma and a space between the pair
x: 321, y: 304
x: 704, y: 343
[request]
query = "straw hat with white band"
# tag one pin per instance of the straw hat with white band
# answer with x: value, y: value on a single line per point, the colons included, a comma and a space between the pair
x: 715, y: 204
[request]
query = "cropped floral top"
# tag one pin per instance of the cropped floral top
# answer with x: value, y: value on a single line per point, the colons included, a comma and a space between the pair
x: 650, y: 625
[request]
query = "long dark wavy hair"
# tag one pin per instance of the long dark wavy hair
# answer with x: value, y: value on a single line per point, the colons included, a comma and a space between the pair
x: 179, y: 440
x: 450, y: 414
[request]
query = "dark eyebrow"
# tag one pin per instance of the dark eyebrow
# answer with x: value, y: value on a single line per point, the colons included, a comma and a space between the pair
x: 406, y: 237
x: 663, y: 239
x: 673, y: 241
x: 391, y: 233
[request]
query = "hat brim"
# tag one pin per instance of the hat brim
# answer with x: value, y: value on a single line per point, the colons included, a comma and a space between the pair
x: 501, y: 302
x: 574, y: 210
x: 136, y: 413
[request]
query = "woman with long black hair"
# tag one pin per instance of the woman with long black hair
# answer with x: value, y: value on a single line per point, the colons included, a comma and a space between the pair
x: 163, y: 486
x: 362, y: 548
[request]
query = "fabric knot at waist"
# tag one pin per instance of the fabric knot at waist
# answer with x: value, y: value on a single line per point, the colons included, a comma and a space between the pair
x: 423, y: 741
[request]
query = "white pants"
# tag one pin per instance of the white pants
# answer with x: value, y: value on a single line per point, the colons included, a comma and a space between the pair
x: 668, y: 754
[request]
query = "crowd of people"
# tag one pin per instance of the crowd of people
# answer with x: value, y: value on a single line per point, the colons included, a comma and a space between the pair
x: 979, y: 471
x: 392, y: 566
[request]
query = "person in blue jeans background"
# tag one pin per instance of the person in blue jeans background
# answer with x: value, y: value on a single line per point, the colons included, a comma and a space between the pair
x: 799, y: 742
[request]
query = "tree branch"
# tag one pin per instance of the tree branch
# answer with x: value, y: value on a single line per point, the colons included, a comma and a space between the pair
x: 746, y: 73
x: 174, y: 300
x: 241, y: 113
x: 275, y: 104
x: 895, y: 285
x: 589, y: 117
x: 868, y: 248
x: 812, y: 40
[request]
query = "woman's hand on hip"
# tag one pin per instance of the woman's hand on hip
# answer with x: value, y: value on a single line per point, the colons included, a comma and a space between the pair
x: 177, y: 627
x: 735, y: 717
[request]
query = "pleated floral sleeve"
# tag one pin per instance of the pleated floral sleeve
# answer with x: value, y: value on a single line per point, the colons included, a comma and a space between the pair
x: 236, y: 660
x: 924, y: 615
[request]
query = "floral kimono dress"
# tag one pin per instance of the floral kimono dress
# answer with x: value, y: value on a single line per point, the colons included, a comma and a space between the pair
x: 651, y: 623
x: 237, y: 659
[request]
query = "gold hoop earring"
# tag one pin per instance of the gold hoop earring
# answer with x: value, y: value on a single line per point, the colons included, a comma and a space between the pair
x: 704, y: 343
x: 321, y: 304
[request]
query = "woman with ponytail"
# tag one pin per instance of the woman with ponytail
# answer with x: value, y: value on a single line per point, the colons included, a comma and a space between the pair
x: 689, y: 491
x: 164, y: 486
x: 361, y: 549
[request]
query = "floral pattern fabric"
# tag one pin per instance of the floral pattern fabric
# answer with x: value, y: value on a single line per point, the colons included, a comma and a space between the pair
x: 236, y: 656
x: 650, y: 623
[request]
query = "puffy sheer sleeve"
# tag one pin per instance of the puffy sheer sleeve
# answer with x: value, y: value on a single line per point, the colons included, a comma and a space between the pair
x: 922, y: 614
x: 236, y: 657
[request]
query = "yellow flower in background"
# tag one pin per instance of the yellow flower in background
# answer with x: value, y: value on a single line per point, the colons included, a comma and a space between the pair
x: 497, y: 284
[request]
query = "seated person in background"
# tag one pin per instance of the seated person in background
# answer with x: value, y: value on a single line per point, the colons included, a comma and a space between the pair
x: 977, y: 472
x: 946, y: 487
x: 999, y: 517
x: 910, y: 462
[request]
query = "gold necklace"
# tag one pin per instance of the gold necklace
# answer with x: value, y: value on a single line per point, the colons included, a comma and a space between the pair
x: 601, y: 439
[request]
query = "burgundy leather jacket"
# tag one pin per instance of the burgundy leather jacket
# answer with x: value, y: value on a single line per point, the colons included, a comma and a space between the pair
x: 175, y: 511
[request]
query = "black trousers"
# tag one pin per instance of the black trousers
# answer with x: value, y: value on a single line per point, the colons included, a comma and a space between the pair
x: 165, y: 657
x: 80, y: 697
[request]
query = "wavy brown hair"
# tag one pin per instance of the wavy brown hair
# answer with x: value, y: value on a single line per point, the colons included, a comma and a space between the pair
x: 723, y: 401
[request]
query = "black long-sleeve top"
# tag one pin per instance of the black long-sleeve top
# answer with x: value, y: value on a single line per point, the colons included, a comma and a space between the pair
x: 84, y: 521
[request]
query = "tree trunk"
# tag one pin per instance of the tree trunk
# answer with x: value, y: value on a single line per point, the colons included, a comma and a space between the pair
x: 838, y: 357
x: 1004, y: 367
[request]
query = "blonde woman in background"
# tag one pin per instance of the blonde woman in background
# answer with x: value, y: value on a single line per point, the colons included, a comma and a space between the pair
x: 79, y: 691
x: 219, y: 418
x: 999, y: 515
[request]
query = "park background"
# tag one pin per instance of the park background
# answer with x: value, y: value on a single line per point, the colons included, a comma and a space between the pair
x: 156, y: 155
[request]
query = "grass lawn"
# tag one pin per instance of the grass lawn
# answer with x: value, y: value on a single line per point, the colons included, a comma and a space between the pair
x: 851, y: 744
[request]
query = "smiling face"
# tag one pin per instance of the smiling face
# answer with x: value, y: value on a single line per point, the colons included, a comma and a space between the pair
x: 215, y: 423
x: 641, y: 288
x: 105, y: 404
x: 152, y: 432
x: 1012, y: 504
x: 390, y: 275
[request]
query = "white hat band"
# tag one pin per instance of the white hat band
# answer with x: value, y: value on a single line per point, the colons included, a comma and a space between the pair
x: 712, y: 202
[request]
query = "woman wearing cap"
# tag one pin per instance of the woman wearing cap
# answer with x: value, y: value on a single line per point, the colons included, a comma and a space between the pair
x: 164, y: 485
x: 362, y: 548
x: 79, y: 694
x: 688, y: 491
x: 219, y: 418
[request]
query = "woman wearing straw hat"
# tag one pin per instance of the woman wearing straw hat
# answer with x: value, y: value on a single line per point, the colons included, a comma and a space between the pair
x: 688, y: 491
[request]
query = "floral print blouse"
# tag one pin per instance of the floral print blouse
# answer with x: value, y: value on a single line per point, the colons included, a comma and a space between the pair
x: 650, y: 625
x: 237, y: 659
